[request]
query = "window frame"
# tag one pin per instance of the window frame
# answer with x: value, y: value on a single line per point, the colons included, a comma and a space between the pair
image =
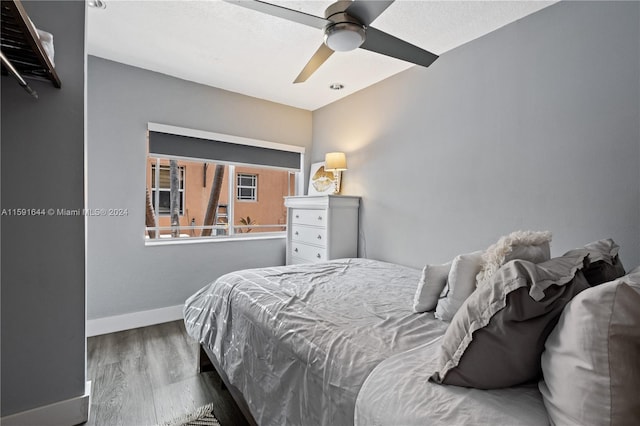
x: 298, y: 188
x: 253, y: 188
x: 155, y: 191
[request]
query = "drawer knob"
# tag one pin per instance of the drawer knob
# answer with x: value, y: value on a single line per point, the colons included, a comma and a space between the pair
x: 297, y: 216
x: 319, y: 237
x: 296, y: 250
x: 319, y: 217
x: 318, y: 256
x: 296, y: 232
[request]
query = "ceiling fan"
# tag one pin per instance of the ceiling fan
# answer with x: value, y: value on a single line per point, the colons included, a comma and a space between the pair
x: 346, y: 26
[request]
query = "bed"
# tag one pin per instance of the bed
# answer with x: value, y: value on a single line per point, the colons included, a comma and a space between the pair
x: 398, y: 392
x: 338, y: 342
x: 299, y: 341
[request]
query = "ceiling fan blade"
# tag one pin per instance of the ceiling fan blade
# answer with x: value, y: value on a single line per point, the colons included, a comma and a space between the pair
x: 366, y: 11
x: 282, y: 12
x: 386, y: 44
x: 318, y: 58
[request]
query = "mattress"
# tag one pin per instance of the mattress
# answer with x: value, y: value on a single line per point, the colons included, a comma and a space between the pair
x: 299, y: 341
x: 397, y: 392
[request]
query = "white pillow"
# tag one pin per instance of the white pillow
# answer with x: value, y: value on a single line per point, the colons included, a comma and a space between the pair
x: 461, y: 282
x: 524, y: 245
x: 590, y: 363
x: 432, y: 282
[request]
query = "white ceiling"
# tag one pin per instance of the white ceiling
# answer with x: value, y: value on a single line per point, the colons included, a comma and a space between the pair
x: 234, y: 48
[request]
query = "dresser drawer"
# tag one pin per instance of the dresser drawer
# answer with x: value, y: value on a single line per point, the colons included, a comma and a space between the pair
x: 299, y: 260
x: 306, y: 234
x: 309, y: 217
x: 307, y: 252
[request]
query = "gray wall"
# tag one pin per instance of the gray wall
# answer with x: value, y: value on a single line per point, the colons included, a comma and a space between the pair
x: 43, y: 273
x: 534, y: 126
x: 124, y: 276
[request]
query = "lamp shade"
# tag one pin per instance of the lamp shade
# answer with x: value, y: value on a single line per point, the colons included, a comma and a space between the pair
x: 335, y: 161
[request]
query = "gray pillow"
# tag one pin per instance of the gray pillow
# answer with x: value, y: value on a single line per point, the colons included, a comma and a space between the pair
x: 604, y: 263
x: 590, y: 363
x: 496, y: 338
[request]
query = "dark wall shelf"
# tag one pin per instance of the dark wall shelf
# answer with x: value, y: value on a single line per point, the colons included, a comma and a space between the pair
x: 22, y: 47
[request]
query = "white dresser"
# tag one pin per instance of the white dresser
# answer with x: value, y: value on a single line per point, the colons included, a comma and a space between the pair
x: 321, y: 228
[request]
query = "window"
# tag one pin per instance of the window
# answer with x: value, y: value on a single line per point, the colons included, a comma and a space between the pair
x: 161, y: 189
x: 221, y: 197
x: 247, y: 187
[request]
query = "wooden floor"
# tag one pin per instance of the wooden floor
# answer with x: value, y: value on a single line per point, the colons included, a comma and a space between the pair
x: 148, y: 376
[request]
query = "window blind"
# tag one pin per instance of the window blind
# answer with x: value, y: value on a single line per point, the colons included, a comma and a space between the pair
x: 187, y: 146
x: 165, y: 176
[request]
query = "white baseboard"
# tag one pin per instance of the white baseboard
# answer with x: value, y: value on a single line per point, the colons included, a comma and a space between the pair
x: 115, y: 323
x: 69, y: 412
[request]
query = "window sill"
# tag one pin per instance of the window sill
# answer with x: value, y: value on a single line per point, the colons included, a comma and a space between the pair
x: 201, y: 240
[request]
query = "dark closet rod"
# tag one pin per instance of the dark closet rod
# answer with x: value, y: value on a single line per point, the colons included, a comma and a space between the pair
x: 17, y: 75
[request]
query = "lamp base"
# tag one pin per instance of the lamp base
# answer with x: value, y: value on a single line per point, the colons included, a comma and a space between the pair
x: 337, y: 175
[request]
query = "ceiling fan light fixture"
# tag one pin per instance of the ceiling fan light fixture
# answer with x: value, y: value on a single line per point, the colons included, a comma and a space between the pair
x: 344, y: 36
x: 345, y: 26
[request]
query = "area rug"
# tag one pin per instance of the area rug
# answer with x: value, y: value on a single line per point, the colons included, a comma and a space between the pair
x: 202, y: 416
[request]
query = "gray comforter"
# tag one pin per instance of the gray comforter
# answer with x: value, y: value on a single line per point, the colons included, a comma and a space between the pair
x: 299, y: 341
